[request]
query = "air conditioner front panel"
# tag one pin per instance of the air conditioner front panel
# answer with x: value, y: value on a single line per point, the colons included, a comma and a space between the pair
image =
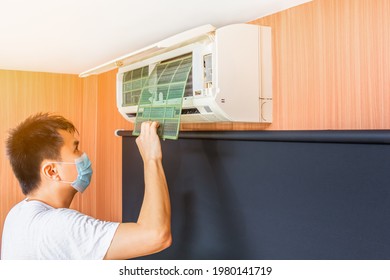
x: 237, y: 67
x: 230, y: 77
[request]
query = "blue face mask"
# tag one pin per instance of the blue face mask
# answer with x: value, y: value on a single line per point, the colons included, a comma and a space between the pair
x: 84, y: 172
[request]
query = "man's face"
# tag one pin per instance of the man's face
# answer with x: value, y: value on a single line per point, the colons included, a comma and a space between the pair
x: 69, y: 152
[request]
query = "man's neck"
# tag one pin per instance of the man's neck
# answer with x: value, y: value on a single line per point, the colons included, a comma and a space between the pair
x: 57, y: 199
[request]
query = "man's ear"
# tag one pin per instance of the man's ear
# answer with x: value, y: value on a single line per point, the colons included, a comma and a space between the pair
x: 50, y: 171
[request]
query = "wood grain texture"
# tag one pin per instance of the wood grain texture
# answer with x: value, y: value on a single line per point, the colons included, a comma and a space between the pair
x: 331, y: 65
x: 87, y: 128
x: 109, y: 150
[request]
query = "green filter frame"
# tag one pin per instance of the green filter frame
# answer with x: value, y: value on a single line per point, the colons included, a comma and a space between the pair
x: 161, y: 96
x: 133, y: 82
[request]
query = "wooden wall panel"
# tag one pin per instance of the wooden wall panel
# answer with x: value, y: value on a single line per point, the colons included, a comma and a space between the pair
x: 331, y: 61
x: 86, y: 202
x: 109, y: 150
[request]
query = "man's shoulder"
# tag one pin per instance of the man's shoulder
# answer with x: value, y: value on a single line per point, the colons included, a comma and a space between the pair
x: 29, y: 207
x: 35, y: 211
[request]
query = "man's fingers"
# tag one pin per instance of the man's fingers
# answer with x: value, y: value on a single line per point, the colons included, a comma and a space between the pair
x: 150, y: 124
x: 145, y: 126
x: 155, y: 125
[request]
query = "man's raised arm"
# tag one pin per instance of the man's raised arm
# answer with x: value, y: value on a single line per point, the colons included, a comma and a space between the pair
x: 152, y: 232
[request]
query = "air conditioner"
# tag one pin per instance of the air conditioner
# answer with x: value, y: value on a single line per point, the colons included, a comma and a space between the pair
x: 229, y: 78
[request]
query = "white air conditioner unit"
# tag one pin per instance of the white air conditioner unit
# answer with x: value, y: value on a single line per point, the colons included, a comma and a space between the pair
x: 230, y: 78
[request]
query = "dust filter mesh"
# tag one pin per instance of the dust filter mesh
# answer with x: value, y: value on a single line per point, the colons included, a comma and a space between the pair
x: 161, y: 96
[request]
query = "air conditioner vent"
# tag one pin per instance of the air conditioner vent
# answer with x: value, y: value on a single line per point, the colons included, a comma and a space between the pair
x: 190, y: 111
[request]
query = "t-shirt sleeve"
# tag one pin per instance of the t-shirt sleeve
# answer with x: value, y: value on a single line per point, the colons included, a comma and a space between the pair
x: 70, y: 234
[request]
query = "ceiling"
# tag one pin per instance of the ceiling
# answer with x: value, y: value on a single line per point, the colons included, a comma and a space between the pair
x: 73, y: 36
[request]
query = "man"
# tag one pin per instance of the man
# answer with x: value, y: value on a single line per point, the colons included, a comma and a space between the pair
x: 45, y: 157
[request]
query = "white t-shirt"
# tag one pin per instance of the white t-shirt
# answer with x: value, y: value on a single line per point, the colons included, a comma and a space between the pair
x: 35, y: 230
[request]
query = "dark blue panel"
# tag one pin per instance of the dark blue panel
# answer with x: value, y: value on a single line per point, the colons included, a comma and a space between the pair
x: 234, y: 199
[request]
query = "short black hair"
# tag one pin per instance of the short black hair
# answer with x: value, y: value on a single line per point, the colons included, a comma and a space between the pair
x: 35, y: 139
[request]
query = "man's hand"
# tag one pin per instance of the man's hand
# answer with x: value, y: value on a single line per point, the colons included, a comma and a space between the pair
x: 148, y: 142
